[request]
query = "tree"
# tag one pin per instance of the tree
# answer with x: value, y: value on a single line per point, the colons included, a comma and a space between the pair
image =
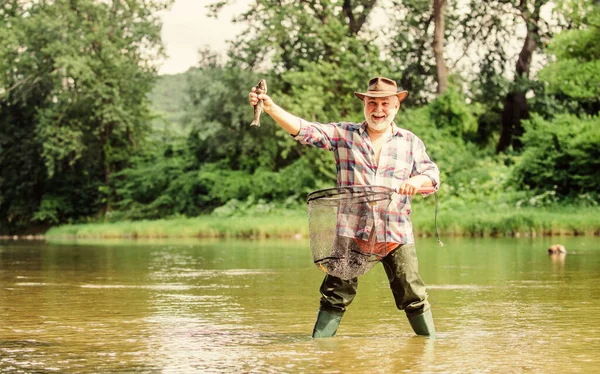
x: 407, y: 46
x: 415, y: 40
x: 319, y: 52
x: 561, y: 155
x: 515, y: 103
x: 79, y: 71
x: 287, y: 32
x: 219, y: 119
x: 575, y: 72
x: 438, y: 46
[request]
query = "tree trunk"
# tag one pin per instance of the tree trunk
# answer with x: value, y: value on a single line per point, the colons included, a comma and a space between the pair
x: 438, y: 46
x: 515, y: 104
x: 363, y: 8
x: 515, y: 109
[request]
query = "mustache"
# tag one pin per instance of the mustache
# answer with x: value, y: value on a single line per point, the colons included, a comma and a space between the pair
x: 392, y: 114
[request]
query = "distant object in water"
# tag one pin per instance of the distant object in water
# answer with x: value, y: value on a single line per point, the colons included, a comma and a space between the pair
x: 556, y: 249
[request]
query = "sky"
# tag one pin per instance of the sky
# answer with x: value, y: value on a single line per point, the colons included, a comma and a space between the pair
x: 186, y: 29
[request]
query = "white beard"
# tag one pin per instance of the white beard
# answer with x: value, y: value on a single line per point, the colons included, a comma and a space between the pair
x: 382, y: 125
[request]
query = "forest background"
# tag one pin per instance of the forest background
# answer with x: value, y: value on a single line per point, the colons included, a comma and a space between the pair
x: 504, y: 93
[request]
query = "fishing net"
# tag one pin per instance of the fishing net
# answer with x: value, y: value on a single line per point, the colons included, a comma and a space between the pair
x: 348, y: 228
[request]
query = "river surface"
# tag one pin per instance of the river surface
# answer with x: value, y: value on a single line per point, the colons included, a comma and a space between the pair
x: 180, y: 306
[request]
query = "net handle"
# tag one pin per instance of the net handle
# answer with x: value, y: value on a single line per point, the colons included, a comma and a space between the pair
x: 429, y: 189
x: 375, y: 189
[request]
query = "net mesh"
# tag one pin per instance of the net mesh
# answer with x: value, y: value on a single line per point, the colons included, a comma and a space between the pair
x: 348, y: 229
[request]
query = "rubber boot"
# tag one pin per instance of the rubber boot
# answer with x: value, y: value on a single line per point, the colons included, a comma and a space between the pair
x: 326, y: 325
x: 422, y: 324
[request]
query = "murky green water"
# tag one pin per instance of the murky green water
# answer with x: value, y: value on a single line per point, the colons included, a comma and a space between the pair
x: 500, y: 305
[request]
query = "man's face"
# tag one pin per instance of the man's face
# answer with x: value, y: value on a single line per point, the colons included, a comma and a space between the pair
x: 380, y: 112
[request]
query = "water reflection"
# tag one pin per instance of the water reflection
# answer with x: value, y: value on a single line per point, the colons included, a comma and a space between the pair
x: 249, y: 307
x: 558, y: 262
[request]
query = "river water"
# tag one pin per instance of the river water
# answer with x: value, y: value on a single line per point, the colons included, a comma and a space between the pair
x: 180, y: 306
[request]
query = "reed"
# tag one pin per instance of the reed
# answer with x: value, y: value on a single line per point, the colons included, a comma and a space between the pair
x: 475, y: 221
x: 291, y: 223
x: 509, y: 221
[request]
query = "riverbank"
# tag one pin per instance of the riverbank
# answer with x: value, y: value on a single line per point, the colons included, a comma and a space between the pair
x: 488, y: 222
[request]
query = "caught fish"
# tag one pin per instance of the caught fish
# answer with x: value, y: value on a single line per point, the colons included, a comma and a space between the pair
x: 261, y: 88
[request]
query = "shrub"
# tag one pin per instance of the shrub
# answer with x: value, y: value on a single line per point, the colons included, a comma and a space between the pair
x: 561, y: 155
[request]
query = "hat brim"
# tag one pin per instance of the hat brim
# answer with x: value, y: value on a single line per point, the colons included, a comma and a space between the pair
x: 402, y: 95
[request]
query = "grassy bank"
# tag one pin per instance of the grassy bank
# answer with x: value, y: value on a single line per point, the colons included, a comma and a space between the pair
x: 294, y: 223
x: 513, y: 222
x: 283, y: 224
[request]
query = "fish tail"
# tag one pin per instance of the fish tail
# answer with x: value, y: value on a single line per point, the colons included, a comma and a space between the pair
x: 257, y: 111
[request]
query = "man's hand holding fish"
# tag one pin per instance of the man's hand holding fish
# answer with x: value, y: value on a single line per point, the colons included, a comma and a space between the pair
x: 288, y: 121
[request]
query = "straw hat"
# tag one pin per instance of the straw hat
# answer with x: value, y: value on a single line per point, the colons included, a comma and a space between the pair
x: 382, y: 87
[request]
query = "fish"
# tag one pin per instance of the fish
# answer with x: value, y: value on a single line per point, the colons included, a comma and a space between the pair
x: 261, y: 88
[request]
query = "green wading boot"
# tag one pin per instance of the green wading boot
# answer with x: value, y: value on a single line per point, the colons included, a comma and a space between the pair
x: 326, y: 325
x: 422, y: 324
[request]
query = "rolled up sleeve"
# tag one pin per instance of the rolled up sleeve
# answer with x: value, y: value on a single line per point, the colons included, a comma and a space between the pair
x: 317, y: 135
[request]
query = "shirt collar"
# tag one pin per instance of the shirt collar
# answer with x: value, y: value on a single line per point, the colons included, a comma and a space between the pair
x: 396, y: 131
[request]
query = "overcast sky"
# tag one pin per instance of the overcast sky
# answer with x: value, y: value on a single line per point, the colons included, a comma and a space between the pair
x: 186, y: 28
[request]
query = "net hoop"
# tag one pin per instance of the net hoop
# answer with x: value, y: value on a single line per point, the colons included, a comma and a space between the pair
x: 345, y: 224
x: 348, y: 227
x: 368, y: 193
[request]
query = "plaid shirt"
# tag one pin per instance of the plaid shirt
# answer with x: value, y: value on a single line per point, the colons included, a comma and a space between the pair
x: 402, y: 156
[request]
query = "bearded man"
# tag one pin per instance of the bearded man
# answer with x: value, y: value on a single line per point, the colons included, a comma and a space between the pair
x: 374, y: 152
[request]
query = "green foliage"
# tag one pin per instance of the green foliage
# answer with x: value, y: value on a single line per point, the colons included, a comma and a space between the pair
x: 488, y: 89
x: 287, y: 33
x: 470, y: 175
x: 75, y: 76
x: 219, y: 117
x: 561, y: 155
x: 409, y: 36
x: 268, y: 224
x: 501, y: 221
x: 79, y: 141
x: 449, y: 152
x: 156, y: 184
x: 575, y: 73
x: 21, y: 168
x: 169, y: 100
x: 166, y: 183
x: 51, y: 208
x: 450, y: 112
x: 324, y: 92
